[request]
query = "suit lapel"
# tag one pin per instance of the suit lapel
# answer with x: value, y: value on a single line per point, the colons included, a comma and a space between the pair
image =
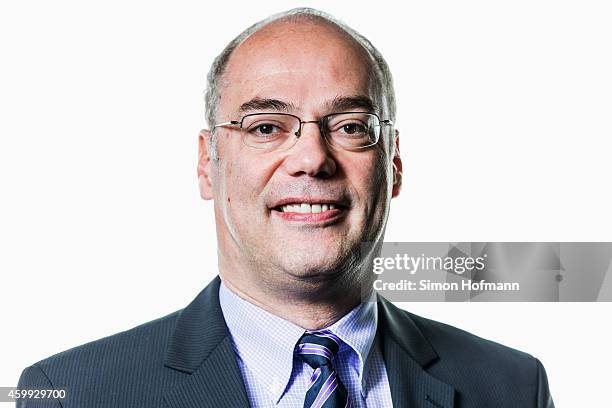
x: 201, y: 347
x: 407, y: 353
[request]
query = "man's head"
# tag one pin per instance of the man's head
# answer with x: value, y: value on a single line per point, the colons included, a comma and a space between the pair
x: 308, y: 65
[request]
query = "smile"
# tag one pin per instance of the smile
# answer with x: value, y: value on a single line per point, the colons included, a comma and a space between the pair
x: 321, y: 213
x: 306, y: 208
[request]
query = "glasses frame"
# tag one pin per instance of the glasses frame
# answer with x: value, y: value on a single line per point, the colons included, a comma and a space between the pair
x: 239, y: 123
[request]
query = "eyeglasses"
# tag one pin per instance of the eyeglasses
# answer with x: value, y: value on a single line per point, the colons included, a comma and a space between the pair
x: 280, y: 131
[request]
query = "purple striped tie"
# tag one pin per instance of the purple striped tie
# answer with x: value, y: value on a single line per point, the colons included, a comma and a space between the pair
x: 317, y: 349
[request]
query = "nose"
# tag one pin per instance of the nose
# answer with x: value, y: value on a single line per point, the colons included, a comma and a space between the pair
x: 310, y: 155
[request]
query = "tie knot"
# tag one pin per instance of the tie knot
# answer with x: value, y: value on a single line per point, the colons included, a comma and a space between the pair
x: 317, y: 348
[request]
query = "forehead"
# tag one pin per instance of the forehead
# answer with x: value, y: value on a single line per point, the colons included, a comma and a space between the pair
x: 302, y: 62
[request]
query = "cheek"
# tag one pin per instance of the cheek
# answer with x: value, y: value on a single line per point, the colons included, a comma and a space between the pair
x: 230, y: 170
x: 369, y: 177
x: 369, y: 180
x: 243, y: 180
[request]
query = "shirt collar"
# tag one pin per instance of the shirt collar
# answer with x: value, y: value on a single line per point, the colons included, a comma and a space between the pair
x: 357, y: 329
x: 258, y: 336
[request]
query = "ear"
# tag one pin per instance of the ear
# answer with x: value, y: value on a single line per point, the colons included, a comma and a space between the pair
x: 204, y: 180
x: 397, y: 167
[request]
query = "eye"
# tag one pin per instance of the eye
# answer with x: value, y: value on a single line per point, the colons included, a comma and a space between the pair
x: 353, y: 128
x: 264, y: 129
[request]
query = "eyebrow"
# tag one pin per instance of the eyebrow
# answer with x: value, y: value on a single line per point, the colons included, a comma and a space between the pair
x: 347, y: 103
x: 338, y: 104
x: 259, y: 104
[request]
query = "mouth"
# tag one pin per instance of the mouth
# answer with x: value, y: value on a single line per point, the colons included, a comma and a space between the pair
x: 311, y: 211
x: 306, y: 208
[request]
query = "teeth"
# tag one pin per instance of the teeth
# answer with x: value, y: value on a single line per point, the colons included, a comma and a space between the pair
x: 305, y: 208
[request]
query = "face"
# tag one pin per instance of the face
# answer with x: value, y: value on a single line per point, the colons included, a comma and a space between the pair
x: 257, y: 193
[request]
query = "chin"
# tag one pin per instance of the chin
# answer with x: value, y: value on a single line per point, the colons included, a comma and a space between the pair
x: 313, y: 267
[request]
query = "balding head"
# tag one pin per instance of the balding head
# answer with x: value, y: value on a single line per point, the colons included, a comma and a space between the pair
x: 304, y: 20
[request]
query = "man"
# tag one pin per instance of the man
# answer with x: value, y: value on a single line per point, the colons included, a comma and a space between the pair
x: 301, y: 160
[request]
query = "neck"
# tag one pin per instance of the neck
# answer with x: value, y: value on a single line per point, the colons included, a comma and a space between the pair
x: 299, y: 302
x: 311, y: 301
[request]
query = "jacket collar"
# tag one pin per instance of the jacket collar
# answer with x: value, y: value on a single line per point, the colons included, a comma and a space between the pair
x: 199, y: 330
x: 407, y: 354
x: 201, y: 347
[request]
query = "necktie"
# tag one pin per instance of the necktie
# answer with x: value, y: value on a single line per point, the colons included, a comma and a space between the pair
x: 317, y: 349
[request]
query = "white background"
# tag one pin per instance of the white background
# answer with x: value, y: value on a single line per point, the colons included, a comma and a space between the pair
x: 504, y: 113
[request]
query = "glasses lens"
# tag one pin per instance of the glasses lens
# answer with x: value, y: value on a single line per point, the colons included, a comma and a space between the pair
x: 269, y: 131
x: 353, y: 130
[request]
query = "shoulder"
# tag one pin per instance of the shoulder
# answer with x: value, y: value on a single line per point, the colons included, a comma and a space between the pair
x: 453, y: 343
x: 134, y: 368
x: 480, y: 370
x: 472, y: 364
x: 442, y: 342
x: 146, y: 340
x: 111, y: 364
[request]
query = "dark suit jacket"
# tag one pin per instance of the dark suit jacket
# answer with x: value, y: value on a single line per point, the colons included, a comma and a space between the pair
x: 186, y: 360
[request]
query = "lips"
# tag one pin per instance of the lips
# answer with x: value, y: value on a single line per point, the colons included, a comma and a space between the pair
x: 310, y: 210
x: 306, y: 208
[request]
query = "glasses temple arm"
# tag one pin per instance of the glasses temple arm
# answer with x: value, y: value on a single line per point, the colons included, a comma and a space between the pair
x: 231, y: 122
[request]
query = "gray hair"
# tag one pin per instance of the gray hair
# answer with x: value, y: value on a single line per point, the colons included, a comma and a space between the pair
x: 381, y: 86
